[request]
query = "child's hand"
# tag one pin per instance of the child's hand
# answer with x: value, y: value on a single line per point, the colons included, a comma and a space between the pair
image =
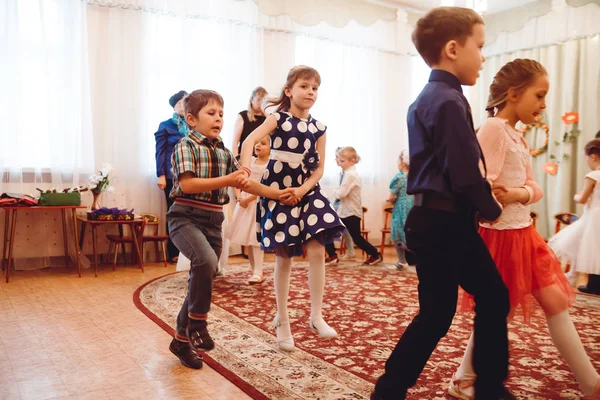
x: 290, y: 196
x: 244, y: 202
x: 238, y: 179
x: 577, y: 198
x: 162, y: 182
x: 503, y: 194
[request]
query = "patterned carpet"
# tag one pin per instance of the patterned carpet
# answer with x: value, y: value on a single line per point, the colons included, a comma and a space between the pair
x: 370, y: 308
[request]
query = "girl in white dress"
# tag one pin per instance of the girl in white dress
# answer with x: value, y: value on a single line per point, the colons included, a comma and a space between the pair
x: 578, y: 242
x: 242, y: 228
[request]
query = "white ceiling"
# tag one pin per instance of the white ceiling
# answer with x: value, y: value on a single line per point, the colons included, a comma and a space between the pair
x: 493, y: 6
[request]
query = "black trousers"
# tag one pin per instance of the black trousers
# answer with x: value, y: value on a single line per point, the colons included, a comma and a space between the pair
x: 172, y: 250
x: 353, y: 227
x: 448, y: 253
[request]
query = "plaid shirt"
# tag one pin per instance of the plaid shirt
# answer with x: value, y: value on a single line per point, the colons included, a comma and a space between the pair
x: 205, y: 158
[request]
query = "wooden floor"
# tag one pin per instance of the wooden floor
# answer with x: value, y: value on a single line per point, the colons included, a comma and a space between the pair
x: 64, y: 337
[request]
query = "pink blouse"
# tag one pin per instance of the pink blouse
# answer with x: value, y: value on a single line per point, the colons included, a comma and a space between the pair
x: 507, y: 158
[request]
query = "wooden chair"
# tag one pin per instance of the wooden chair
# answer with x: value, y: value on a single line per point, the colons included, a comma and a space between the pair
x: 363, y: 231
x: 149, y: 219
x: 534, y: 217
x: 387, y: 230
x: 564, y: 218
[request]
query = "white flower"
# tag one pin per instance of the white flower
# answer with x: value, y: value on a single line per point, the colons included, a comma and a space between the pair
x: 106, y: 169
x: 110, y: 189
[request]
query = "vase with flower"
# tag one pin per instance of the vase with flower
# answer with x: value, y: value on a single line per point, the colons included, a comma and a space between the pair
x: 99, y: 183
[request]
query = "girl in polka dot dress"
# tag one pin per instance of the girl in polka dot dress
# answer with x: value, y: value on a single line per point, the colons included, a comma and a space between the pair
x: 302, y: 216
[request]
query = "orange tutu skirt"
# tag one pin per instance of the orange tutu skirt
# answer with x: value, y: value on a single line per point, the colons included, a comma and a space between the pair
x: 529, y: 269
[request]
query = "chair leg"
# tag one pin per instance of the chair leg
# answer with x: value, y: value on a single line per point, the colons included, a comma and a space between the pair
x: 115, y: 258
x: 124, y: 253
x: 110, y: 246
x: 164, y: 251
x: 343, y: 246
x: 382, y: 243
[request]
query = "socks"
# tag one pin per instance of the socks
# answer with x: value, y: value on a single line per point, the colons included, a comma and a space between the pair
x: 400, y: 252
x: 316, y: 277
x: 256, y: 257
x: 567, y: 341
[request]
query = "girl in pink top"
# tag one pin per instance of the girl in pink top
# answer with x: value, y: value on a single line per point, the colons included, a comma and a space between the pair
x: 528, y: 266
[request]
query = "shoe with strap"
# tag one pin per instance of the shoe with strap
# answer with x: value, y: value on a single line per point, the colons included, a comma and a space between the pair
x: 463, y: 389
x: 284, y: 341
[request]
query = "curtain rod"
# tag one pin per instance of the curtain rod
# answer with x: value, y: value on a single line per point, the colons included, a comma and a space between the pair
x: 162, y: 12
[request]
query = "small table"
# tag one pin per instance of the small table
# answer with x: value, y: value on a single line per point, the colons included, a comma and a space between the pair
x: 10, y: 224
x: 95, y: 224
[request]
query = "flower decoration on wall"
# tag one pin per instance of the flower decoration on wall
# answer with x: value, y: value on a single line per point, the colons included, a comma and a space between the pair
x: 99, y: 183
x: 538, y: 124
x: 569, y: 118
x: 551, y: 168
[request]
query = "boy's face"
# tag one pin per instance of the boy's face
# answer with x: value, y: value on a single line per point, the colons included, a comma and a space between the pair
x: 345, y: 162
x: 469, y: 59
x: 209, y: 120
x: 179, y: 107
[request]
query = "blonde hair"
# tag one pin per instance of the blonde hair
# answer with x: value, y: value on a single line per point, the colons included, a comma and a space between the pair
x: 517, y: 74
x: 257, y: 92
x: 298, y: 72
x: 350, y: 153
x: 441, y: 25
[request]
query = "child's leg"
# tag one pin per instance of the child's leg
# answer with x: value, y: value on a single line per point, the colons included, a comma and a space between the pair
x: 349, y: 243
x: 401, y: 253
x: 554, y: 302
x: 316, y: 284
x: 283, y: 268
x: 330, y: 249
x: 353, y: 226
x: 464, y: 378
x: 256, y: 257
x: 224, y: 258
x: 202, y: 247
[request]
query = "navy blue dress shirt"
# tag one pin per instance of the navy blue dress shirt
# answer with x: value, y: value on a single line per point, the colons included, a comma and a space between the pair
x: 444, y: 152
x: 166, y: 137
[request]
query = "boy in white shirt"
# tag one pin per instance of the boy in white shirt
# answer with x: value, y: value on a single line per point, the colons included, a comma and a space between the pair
x: 350, y: 205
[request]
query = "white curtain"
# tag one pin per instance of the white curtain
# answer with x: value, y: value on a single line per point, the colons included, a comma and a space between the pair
x: 574, y: 73
x: 47, y: 137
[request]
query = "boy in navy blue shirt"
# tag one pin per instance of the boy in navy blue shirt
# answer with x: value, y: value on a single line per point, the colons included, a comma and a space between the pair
x: 450, y: 191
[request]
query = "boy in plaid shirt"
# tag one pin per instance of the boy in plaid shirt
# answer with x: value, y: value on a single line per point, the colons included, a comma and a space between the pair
x: 202, y: 170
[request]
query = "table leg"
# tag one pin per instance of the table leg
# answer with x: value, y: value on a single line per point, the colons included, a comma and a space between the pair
x: 81, y: 234
x: 95, y: 253
x: 77, y: 247
x: 63, y: 214
x: 137, y: 246
x: 13, y: 226
x: 5, y: 240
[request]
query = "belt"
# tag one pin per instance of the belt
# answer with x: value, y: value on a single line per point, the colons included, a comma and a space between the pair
x: 429, y: 200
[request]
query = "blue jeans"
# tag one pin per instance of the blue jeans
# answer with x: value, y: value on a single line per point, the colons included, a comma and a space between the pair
x: 197, y: 234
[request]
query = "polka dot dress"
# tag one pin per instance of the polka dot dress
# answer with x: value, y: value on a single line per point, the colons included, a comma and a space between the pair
x: 293, y: 157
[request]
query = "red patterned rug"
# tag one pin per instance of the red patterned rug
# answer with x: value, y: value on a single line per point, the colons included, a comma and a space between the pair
x: 370, y: 308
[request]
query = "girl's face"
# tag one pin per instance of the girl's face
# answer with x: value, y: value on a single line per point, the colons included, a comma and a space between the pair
x: 262, y: 148
x: 530, y: 103
x: 346, y: 161
x: 303, y: 93
x: 400, y: 163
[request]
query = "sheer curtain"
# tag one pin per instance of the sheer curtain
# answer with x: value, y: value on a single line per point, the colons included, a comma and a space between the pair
x: 47, y: 138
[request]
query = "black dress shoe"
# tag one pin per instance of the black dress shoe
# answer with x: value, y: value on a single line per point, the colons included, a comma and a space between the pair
x: 199, y: 338
x: 186, y: 354
x: 588, y: 290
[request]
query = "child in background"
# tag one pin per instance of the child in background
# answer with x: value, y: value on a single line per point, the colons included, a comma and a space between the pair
x: 350, y: 208
x: 578, y: 242
x: 402, y: 204
x: 242, y: 228
x: 332, y: 257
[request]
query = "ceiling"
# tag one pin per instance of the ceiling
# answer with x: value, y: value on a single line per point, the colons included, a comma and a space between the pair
x: 493, y: 6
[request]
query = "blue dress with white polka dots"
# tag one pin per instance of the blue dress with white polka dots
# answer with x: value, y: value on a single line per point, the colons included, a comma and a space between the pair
x: 293, y: 158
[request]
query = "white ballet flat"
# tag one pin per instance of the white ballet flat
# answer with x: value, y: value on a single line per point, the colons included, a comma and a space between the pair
x: 284, y: 343
x: 325, y: 331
